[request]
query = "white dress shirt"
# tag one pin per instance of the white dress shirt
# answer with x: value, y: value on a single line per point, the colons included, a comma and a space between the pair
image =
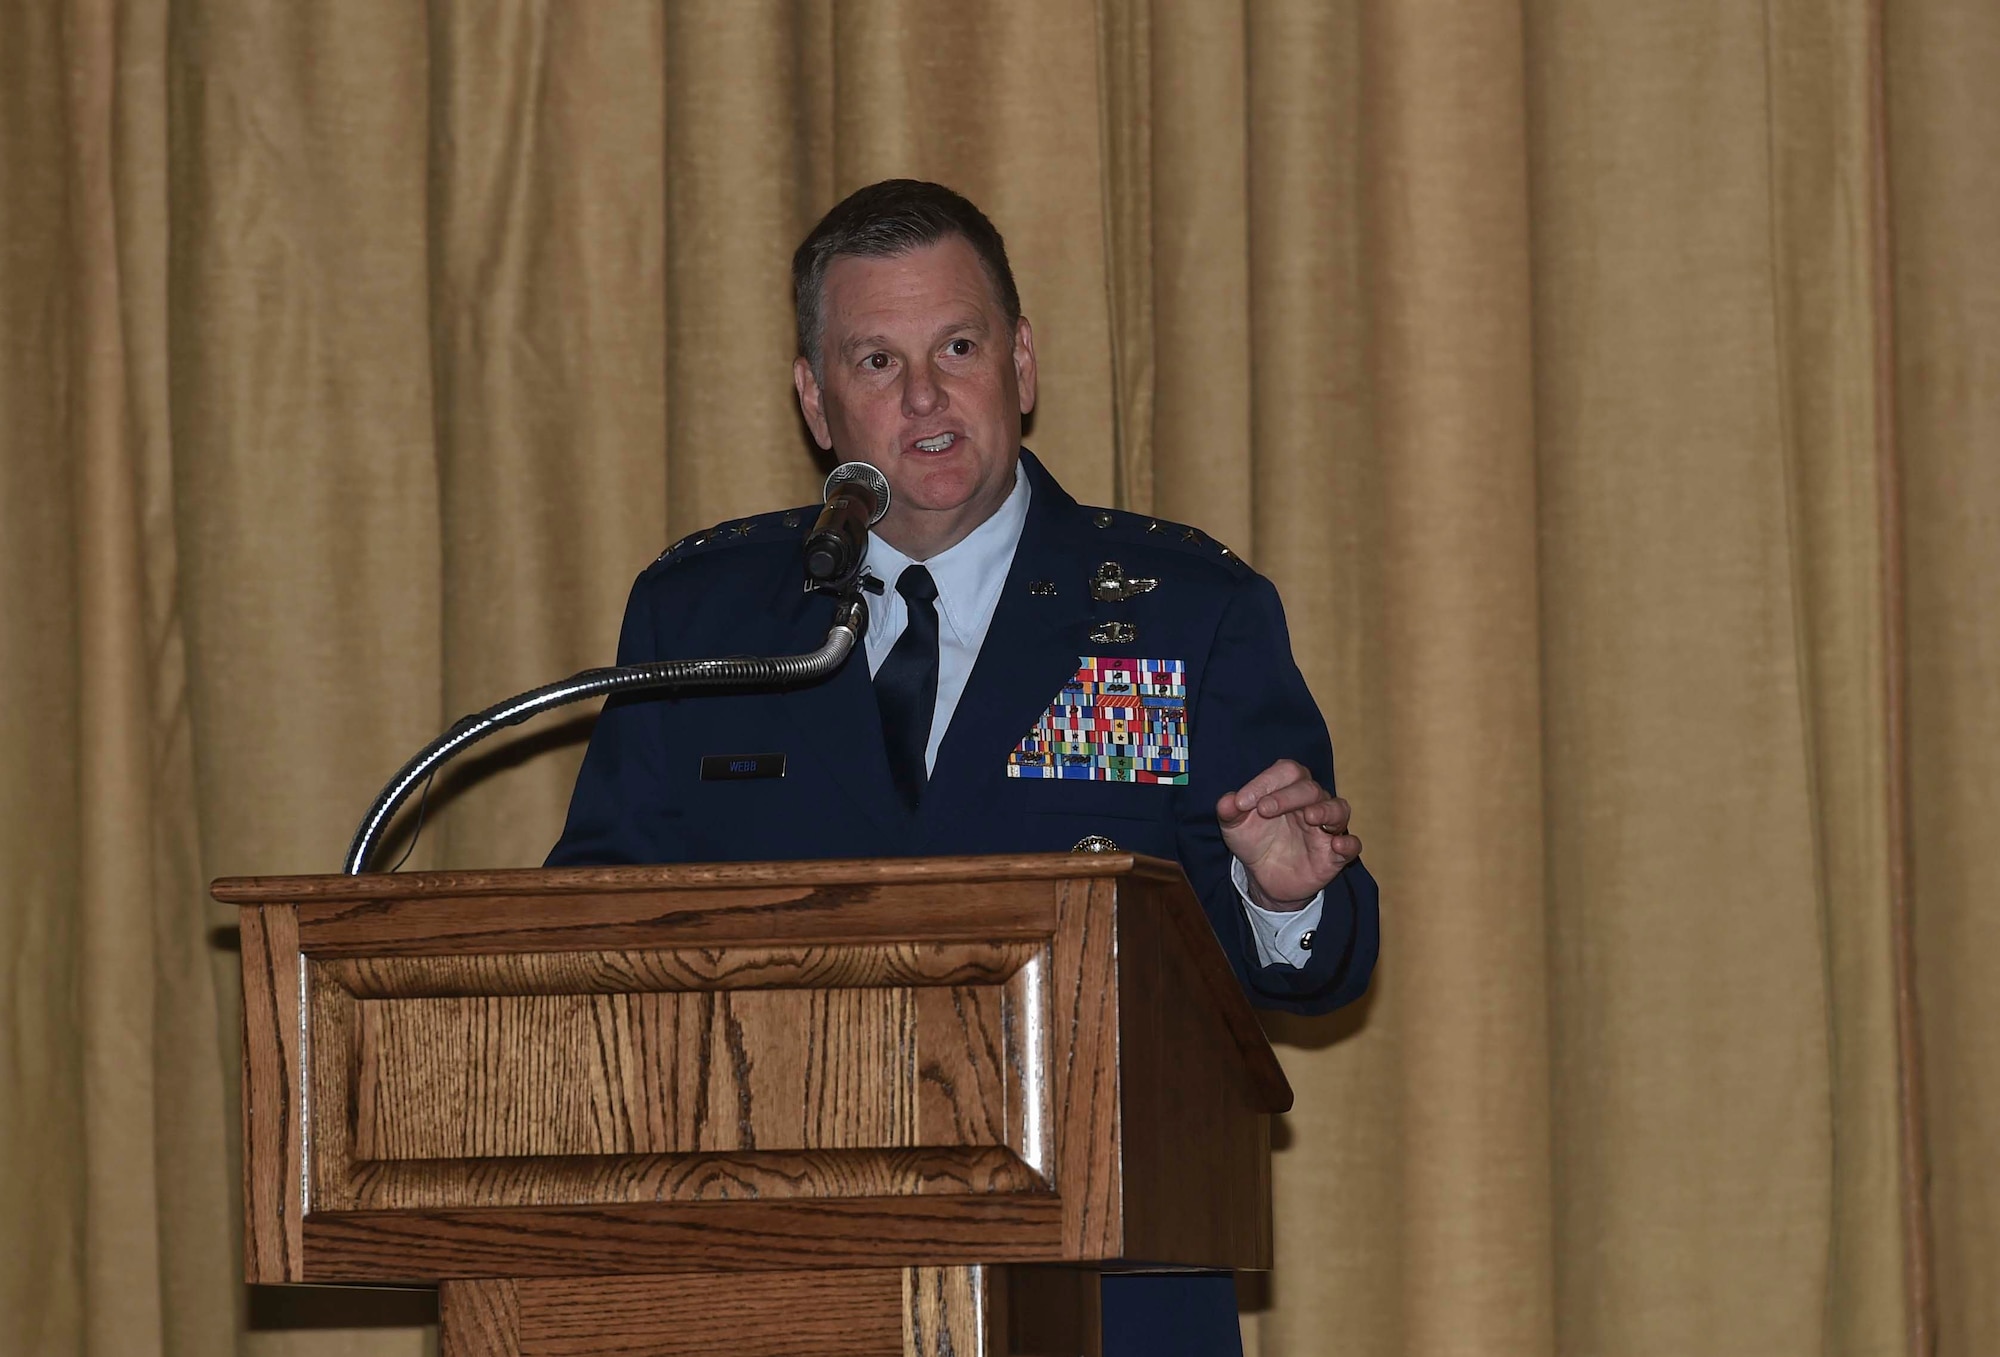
x: 969, y: 576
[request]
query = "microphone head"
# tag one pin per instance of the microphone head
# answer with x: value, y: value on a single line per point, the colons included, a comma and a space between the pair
x: 868, y: 479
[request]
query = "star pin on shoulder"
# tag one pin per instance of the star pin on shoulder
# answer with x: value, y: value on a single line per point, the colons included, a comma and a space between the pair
x: 1123, y: 525
x: 727, y: 534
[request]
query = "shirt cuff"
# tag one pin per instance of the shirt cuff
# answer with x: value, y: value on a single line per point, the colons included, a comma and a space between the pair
x: 1282, y: 939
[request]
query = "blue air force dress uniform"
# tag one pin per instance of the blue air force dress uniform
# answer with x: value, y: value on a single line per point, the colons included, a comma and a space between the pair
x: 1132, y: 672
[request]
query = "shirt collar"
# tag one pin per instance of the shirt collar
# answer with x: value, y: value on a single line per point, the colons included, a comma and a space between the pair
x: 971, y: 572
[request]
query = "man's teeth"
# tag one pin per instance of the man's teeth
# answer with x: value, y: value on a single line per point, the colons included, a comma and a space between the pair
x: 938, y: 444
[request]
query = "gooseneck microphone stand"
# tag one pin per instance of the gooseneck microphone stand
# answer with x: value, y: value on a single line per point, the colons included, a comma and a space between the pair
x: 850, y: 623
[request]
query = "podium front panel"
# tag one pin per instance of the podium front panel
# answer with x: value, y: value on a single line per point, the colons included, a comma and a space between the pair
x: 758, y: 1066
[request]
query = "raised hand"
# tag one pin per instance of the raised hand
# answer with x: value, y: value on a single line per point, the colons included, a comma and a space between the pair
x: 1289, y: 832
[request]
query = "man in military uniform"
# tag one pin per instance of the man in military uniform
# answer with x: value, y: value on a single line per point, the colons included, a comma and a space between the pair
x: 1040, y: 676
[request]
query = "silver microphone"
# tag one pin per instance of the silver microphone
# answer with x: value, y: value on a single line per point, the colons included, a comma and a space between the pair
x: 857, y: 495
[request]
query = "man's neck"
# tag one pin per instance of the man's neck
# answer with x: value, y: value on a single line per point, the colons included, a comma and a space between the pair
x: 922, y: 535
x: 1002, y: 526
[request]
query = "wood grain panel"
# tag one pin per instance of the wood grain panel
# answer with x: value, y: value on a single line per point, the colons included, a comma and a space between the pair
x: 743, y: 1176
x: 852, y: 1053
x: 641, y: 972
x: 1210, y: 984
x: 1083, y: 1008
x: 677, y: 1073
x: 849, y: 1312
x: 754, y: 916
x: 420, y: 1246
x: 479, y: 1319
x: 1196, y: 1141
x: 944, y: 1312
x: 331, y: 1060
x: 856, y: 1312
x: 1028, y: 1049
x: 465, y: 1078
x: 273, y: 1176
x: 685, y: 879
x: 962, y: 1069
x: 666, y: 1070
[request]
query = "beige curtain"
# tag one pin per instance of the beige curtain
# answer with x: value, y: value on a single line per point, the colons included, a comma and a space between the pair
x: 1612, y: 389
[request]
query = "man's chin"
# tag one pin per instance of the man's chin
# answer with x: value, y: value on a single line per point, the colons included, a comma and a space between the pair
x: 937, y: 489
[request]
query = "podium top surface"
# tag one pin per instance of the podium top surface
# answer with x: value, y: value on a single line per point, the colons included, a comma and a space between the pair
x: 254, y: 890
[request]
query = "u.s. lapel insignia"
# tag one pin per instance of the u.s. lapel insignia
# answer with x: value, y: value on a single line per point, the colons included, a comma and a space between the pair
x: 1042, y: 588
x: 1117, y: 720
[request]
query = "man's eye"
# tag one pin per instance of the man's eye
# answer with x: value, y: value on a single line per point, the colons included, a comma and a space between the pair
x: 959, y: 348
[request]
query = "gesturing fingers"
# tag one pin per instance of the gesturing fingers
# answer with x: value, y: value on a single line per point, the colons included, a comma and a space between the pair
x: 1307, y: 796
x: 1289, y: 832
x: 1278, y: 778
x: 1330, y: 814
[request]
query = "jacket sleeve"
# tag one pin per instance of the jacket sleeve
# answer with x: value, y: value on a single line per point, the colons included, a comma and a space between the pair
x: 618, y: 789
x: 1252, y: 709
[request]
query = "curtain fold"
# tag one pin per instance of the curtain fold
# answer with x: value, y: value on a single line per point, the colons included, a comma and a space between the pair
x: 1944, y: 184
x: 1441, y: 1197
x: 1609, y: 389
x: 1693, y: 1064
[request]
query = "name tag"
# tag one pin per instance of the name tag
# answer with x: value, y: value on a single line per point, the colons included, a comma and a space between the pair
x: 740, y: 767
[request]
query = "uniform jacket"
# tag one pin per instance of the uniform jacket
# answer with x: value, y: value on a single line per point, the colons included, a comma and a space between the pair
x: 736, y: 589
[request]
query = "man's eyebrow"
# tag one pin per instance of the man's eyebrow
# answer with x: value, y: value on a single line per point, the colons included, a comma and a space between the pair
x: 974, y: 324
x: 854, y: 344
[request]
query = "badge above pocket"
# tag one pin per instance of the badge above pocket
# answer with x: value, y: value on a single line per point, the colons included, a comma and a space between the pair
x: 1117, y: 720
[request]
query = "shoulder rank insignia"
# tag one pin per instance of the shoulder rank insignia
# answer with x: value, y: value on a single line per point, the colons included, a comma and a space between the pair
x: 1124, y: 525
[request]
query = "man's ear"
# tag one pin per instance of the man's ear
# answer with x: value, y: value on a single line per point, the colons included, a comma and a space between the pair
x: 812, y: 403
x: 1024, y: 363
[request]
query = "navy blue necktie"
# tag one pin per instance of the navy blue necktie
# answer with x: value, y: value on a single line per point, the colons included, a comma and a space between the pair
x: 906, y: 685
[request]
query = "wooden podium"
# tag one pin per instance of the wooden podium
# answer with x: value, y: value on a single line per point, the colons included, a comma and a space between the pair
x: 889, y: 1106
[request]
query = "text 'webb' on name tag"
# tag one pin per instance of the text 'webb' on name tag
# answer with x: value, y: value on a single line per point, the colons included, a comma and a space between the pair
x: 741, y: 767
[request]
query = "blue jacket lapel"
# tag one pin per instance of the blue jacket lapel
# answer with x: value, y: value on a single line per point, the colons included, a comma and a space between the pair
x: 840, y: 720
x: 1030, y: 651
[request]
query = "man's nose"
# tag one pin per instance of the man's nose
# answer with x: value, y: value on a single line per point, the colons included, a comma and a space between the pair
x: 923, y: 394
